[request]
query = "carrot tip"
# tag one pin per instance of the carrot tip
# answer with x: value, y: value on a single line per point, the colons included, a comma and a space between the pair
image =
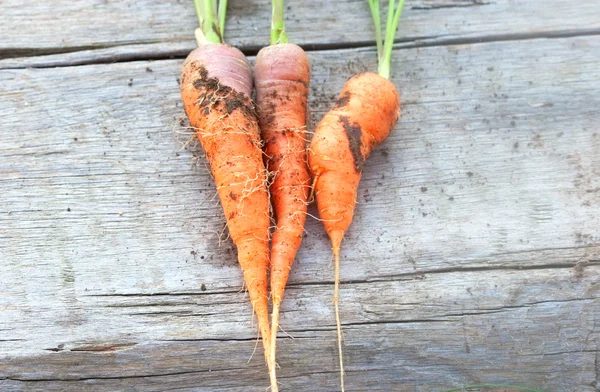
x: 272, y: 361
x: 336, y: 255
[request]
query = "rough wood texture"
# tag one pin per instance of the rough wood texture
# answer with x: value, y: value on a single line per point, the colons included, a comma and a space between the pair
x: 474, y: 255
x: 65, y: 26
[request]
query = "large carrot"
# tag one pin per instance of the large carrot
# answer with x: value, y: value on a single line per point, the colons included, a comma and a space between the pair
x: 216, y: 85
x: 282, y: 75
x: 364, y: 115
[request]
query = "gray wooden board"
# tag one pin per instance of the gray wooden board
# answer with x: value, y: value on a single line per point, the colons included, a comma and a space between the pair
x: 44, y: 27
x: 473, y: 257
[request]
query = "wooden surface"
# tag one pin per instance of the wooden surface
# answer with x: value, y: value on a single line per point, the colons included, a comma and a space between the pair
x: 473, y: 257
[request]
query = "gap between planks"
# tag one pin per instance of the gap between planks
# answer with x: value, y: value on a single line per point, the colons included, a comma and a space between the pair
x: 152, y: 51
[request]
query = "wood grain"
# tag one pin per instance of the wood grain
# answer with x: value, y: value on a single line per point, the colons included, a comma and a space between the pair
x: 67, y: 26
x: 471, y: 327
x: 474, y: 255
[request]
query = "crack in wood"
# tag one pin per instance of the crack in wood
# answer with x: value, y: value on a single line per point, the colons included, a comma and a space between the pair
x: 423, y: 273
x: 31, y: 52
x: 210, y: 340
x: 403, y: 43
x: 419, y: 275
x: 76, y: 379
x: 563, y: 353
x: 163, y: 293
x: 471, y: 3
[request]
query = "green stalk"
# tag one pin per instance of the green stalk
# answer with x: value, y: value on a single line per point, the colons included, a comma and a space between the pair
x: 390, y: 17
x: 206, y: 17
x: 278, y: 35
x: 374, y: 5
x: 198, y: 6
x: 221, y: 13
x: 393, y: 16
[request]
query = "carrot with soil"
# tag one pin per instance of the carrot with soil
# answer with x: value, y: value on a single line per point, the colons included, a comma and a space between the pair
x: 216, y: 85
x: 363, y: 117
x: 282, y: 76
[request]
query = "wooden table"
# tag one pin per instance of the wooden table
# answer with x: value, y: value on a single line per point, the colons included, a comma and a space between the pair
x: 473, y: 257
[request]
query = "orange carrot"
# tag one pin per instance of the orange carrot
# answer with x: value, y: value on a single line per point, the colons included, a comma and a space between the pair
x: 216, y: 84
x: 282, y: 75
x: 363, y: 117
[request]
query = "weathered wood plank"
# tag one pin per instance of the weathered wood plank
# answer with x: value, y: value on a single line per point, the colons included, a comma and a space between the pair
x: 100, y: 24
x: 473, y: 256
x: 471, y: 327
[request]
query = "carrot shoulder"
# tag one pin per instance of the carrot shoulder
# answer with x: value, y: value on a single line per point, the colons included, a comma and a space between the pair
x: 216, y: 84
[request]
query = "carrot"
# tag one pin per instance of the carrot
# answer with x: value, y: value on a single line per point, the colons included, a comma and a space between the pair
x: 282, y: 76
x: 363, y: 117
x: 216, y: 85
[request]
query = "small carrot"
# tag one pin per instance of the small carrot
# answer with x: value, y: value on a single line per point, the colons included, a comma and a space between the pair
x: 282, y: 75
x: 363, y: 117
x: 216, y: 85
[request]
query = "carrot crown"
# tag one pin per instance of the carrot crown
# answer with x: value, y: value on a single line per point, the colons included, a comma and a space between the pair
x: 278, y: 35
x: 211, y: 16
x: 385, y: 45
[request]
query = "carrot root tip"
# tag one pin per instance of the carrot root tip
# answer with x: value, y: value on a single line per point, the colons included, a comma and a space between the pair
x: 272, y: 353
x: 336, y: 255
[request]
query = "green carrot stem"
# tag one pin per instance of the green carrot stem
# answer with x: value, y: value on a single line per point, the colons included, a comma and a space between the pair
x: 198, y: 6
x: 205, y: 9
x: 221, y: 14
x: 390, y: 17
x: 374, y: 5
x: 390, y: 32
x: 278, y: 35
